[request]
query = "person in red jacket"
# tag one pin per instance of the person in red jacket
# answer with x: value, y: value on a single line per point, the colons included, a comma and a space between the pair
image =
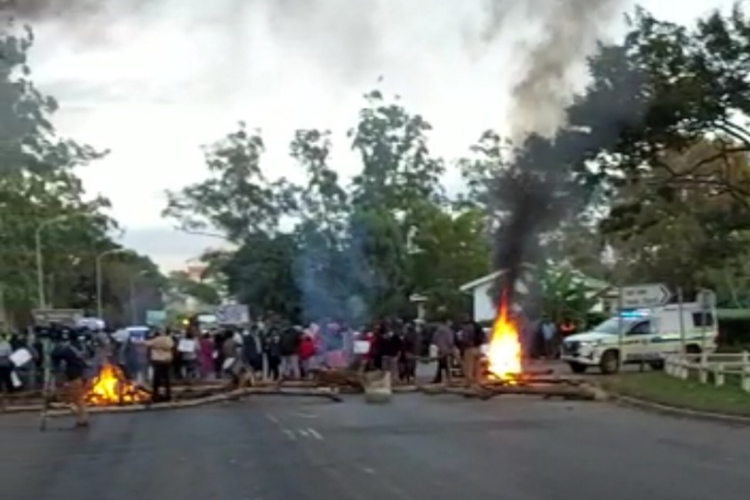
x: 305, y: 352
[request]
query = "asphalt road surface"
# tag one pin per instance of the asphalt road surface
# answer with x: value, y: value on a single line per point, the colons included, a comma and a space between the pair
x: 416, y: 448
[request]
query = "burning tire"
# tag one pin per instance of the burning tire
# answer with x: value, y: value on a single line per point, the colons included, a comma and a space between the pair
x: 610, y: 362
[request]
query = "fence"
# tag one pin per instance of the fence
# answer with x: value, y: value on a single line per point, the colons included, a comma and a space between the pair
x: 717, y: 369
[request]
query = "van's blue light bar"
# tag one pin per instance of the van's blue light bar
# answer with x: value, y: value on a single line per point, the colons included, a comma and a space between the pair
x: 634, y: 313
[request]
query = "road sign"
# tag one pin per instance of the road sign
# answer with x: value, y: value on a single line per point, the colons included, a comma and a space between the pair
x: 706, y: 298
x: 232, y: 314
x: 67, y: 317
x: 649, y: 295
x: 156, y: 317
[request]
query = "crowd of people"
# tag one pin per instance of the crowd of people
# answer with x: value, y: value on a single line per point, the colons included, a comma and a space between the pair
x: 274, y: 350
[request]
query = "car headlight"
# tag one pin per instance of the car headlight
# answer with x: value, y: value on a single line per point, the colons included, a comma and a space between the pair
x: 591, y: 343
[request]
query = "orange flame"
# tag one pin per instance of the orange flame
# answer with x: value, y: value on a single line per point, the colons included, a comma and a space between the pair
x: 504, y: 352
x: 110, y: 386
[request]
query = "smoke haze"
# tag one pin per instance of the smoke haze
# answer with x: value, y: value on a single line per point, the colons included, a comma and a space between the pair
x: 349, y: 43
x: 537, y: 192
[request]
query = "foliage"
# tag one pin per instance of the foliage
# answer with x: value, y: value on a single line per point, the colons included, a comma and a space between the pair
x: 677, y: 172
x: 565, y: 294
x: 41, y: 193
x: 355, y: 251
x: 647, y: 182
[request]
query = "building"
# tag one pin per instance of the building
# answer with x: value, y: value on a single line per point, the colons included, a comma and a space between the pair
x: 485, y: 300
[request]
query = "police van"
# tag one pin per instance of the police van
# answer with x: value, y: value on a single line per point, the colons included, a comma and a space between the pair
x: 642, y: 336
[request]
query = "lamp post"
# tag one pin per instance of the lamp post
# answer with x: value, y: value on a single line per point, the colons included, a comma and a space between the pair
x: 133, y: 306
x: 99, y: 305
x: 39, y: 260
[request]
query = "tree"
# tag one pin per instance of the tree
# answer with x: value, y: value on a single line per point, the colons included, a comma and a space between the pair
x: 353, y: 248
x: 676, y: 233
x: 181, y: 284
x: 39, y: 186
x: 450, y: 249
x: 565, y: 295
x: 674, y: 165
x: 237, y: 199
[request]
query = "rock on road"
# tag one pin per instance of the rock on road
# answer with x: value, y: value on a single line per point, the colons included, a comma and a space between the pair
x: 416, y: 448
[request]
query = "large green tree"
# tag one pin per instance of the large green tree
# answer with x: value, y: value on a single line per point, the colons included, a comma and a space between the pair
x: 41, y: 194
x: 324, y: 247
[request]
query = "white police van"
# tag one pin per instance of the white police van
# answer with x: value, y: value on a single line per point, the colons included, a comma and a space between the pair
x: 648, y: 335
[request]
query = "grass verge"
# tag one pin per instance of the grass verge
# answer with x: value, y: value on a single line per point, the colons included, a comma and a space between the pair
x: 660, y: 388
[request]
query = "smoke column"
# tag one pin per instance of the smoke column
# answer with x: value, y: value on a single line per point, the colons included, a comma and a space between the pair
x: 538, y: 191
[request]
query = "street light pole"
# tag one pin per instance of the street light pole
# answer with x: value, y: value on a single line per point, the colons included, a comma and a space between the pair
x: 133, y: 305
x: 99, y: 302
x: 42, y: 299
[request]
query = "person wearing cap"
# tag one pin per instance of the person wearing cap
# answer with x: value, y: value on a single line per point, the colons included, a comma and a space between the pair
x: 65, y: 356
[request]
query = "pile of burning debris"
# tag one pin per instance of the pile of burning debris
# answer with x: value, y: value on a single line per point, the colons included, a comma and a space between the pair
x: 110, y: 386
x: 504, y: 372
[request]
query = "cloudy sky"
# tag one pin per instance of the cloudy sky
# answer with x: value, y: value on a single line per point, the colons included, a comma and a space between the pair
x: 154, y: 83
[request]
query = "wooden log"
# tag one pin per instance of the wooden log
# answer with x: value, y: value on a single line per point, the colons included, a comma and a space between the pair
x: 546, y: 391
x: 60, y: 409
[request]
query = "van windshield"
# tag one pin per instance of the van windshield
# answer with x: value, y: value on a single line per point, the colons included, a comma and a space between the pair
x: 612, y: 325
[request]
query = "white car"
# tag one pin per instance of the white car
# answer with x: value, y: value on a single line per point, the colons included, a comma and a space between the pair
x: 641, y: 336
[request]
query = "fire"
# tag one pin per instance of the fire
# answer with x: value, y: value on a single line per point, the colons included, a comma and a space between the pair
x: 504, y: 352
x: 110, y: 386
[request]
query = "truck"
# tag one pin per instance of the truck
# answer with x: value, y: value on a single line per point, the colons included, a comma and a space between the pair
x: 642, y: 336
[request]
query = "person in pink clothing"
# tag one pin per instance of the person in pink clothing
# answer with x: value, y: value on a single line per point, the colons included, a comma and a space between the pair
x: 206, y: 355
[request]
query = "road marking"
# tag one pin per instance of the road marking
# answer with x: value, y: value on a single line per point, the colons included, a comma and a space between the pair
x: 368, y: 470
x: 289, y: 434
x: 272, y: 418
x: 306, y: 415
x: 317, y: 435
x: 303, y: 432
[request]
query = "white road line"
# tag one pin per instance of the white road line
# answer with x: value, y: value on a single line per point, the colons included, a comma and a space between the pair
x: 317, y: 435
x: 306, y: 415
x: 290, y: 434
x: 303, y: 432
x: 367, y: 470
x: 272, y: 418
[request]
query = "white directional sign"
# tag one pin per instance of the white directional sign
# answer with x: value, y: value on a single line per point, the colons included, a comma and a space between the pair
x: 652, y: 295
x: 706, y: 298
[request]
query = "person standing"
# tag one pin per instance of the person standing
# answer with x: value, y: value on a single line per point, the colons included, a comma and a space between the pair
x: 66, y: 357
x: 549, y: 338
x: 445, y: 345
x: 6, y: 367
x: 162, y: 355
x: 472, y: 338
x: 290, y: 339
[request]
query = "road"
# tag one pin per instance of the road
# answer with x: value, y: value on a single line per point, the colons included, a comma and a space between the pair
x: 416, y: 448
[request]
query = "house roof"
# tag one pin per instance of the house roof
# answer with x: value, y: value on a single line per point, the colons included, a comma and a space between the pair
x: 484, y: 280
x: 471, y: 285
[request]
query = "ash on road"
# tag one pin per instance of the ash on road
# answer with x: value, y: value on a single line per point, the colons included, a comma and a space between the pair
x: 417, y: 448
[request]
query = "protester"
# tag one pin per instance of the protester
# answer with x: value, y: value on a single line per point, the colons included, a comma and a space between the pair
x: 189, y: 355
x: 548, y: 333
x: 472, y: 339
x: 6, y: 366
x: 444, y: 342
x: 273, y: 355
x: 71, y: 360
x: 206, y: 355
x: 306, y: 354
x: 289, y: 345
x: 162, y: 355
x: 252, y: 351
x: 410, y: 346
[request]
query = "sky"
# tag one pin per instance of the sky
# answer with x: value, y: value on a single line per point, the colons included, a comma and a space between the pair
x: 154, y: 84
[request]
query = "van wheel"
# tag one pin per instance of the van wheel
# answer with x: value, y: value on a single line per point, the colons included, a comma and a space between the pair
x: 577, y: 367
x: 693, y: 349
x: 610, y: 362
